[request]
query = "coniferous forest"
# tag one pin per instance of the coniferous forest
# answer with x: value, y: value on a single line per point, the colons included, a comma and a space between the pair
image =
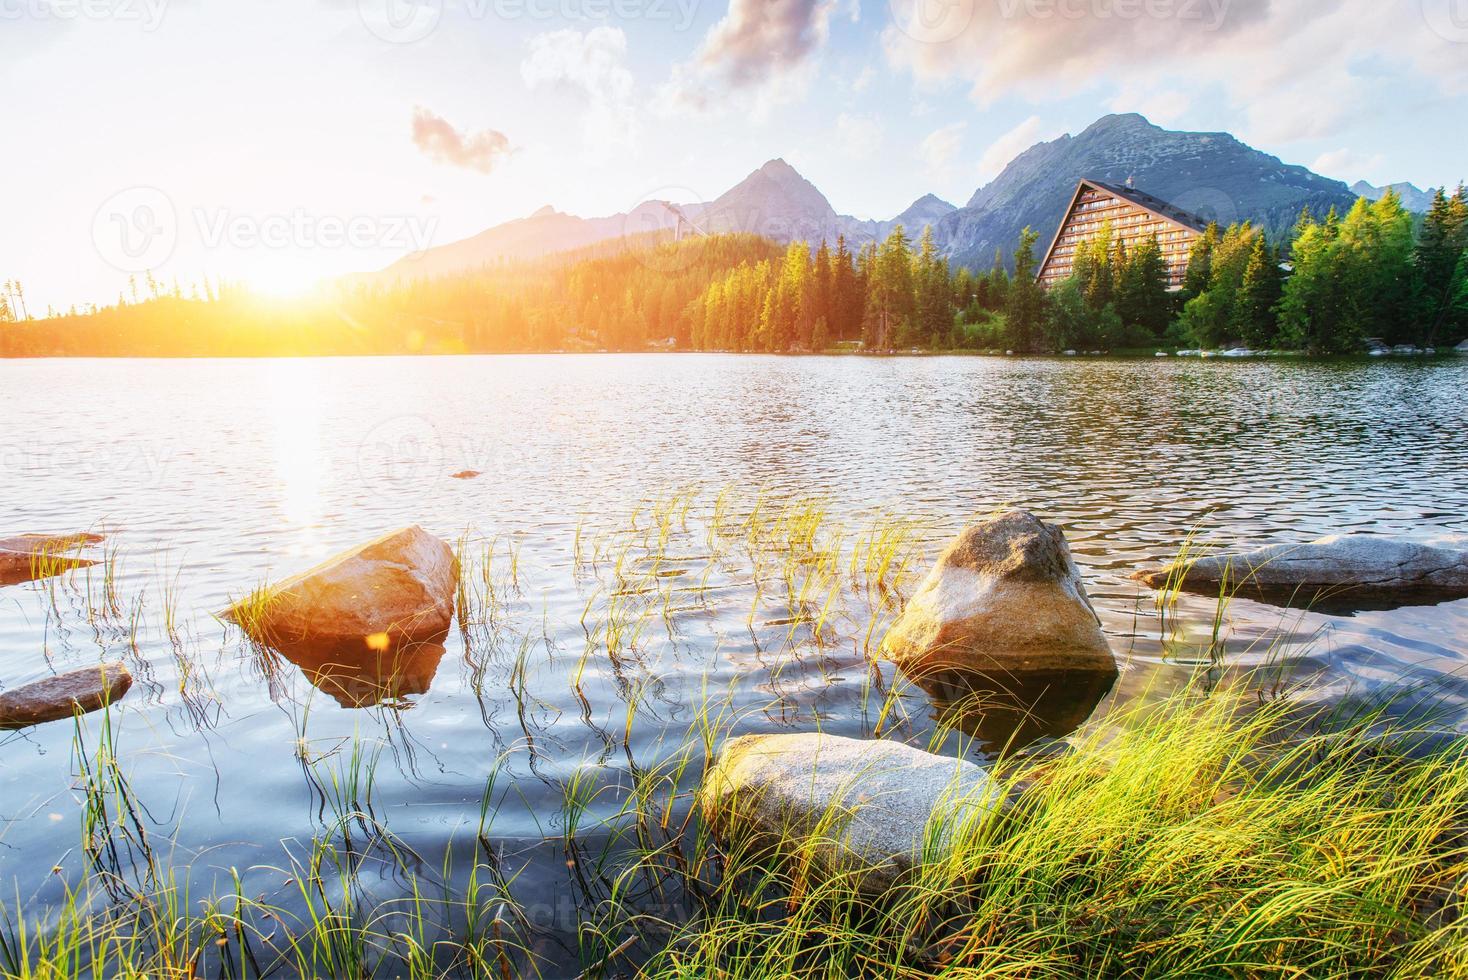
x: 1377, y: 273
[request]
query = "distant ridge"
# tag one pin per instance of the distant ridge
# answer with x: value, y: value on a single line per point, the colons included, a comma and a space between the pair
x: 1414, y: 198
x: 1212, y: 175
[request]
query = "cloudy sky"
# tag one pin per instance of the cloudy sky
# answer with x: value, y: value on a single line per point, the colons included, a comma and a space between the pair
x: 284, y: 140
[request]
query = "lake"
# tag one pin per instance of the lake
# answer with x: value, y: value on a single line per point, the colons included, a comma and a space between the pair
x: 614, y: 596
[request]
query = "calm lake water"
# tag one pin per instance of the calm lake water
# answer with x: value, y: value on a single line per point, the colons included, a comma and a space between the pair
x: 210, y: 477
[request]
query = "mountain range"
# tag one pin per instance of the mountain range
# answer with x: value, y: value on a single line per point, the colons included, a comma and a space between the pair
x: 1414, y: 198
x: 1212, y: 175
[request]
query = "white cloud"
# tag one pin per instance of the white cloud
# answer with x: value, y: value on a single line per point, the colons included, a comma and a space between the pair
x: 1296, y: 71
x: 860, y: 136
x: 1348, y: 165
x: 592, y: 65
x: 1009, y: 146
x: 1163, y: 106
x: 863, y: 81
x: 766, y: 48
x: 940, y: 149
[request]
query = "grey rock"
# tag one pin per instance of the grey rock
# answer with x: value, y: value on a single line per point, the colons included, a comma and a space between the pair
x: 882, y: 794
x: 1002, y: 636
x: 55, y: 698
x: 1342, y: 572
x: 1005, y: 596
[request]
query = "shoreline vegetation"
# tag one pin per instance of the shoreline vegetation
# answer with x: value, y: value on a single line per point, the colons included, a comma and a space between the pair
x: 1222, y: 829
x: 1377, y: 278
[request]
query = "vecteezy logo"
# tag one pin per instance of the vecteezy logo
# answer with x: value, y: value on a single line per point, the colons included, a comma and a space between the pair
x: 932, y: 21
x: 403, y: 451
x: 400, y: 21
x: 136, y: 230
x: 1448, y: 19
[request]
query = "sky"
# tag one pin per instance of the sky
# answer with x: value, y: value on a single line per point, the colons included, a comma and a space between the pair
x: 282, y: 141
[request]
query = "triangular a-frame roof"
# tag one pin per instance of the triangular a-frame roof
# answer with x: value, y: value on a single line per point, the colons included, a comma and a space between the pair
x: 1145, y: 201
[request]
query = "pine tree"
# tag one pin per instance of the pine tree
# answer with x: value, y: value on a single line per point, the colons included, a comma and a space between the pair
x: 934, y: 299
x: 846, y: 298
x: 1141, y: 296
x: 1200, y: 262
x: 1311, y: 305
x: 1438, y: 258
x: 889, y: 290
x: 1253, y: 313
x: 1025, y: 310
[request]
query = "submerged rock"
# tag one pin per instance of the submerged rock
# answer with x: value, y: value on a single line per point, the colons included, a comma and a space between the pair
x: 59, y: 697
x: 465, y: 475
x: 24, y: 557
x: 1004, y: 597
x: 869, y: 801
x: 356, y: 675
x: 397, y: 589
x: 1010, y: 710
x: 1342, y: 572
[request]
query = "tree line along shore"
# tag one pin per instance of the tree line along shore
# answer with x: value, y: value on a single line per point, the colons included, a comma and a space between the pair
x: 1377, y: 274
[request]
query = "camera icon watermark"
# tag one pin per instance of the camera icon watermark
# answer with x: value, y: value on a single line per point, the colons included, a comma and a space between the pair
x: 136, y: 229
x: 1210, y: 204
x: 400, y: 452
x: 400, y: 21
x: 932, y: 21
x: 1448, y: 19
x: 658, y: 224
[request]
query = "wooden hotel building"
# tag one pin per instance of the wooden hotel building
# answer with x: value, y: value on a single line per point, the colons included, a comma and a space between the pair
x: 1134, y: 217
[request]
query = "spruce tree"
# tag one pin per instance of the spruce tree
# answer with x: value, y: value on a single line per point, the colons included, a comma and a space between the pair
x: 1025, y: 310
x: 1438, y: 258
x: 1253, y: 314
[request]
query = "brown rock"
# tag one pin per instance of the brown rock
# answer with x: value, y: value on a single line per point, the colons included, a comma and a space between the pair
x: 24, y: 557
x: 1003, y: 620
x: 398, y: 588
x: 59, y: 697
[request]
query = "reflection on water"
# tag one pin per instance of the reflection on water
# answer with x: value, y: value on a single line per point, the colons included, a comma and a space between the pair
x: 582, y: 656
x: 298, y: 464
x: 360, y: 675
x: 1012, y: 711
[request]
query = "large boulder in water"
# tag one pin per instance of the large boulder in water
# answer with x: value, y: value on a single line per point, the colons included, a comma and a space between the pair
x: 1339, y: 573
x: 397, y: 589
x: 1005, y: 598
x: 60, y: 697
x: 865, y: 804
x: 24, y: 557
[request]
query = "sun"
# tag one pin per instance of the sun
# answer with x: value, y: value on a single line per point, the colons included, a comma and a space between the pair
x: 281, y: 284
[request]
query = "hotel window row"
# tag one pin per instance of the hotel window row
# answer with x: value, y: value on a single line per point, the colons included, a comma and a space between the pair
x: 1134, y: 217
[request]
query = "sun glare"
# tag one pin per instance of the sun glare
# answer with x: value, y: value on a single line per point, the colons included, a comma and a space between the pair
x: 284, y: 284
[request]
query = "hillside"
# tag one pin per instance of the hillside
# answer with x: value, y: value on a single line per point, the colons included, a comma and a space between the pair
x: 1210, y: 174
